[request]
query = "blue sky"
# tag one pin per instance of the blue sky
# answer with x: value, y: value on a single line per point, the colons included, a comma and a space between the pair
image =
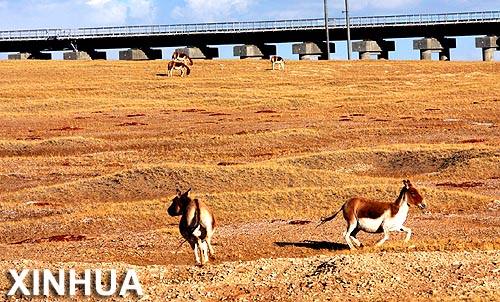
x: 31, y: 14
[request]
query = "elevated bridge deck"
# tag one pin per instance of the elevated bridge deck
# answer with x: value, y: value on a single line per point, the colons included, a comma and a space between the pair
x: 254, y: 32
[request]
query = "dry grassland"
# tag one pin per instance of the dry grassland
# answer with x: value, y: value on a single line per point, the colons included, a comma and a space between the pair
x: 92, y: 152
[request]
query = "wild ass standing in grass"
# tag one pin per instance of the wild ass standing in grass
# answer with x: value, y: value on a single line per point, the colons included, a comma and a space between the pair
x: 182, y: 57
x: 279, y: 61
x: 197, y: 224
x: 378, y: 217
x: 178, y: 66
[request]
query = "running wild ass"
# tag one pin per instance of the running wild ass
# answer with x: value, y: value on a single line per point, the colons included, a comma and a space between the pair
x: 279, y: 61
x: 175, y: 65
x: 372, y: 216
x: 197, y: 224
x: 182, y: 57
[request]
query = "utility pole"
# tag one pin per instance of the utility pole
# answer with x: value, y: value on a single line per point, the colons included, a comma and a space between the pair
x: 325, y: 4
x: 348, y: 29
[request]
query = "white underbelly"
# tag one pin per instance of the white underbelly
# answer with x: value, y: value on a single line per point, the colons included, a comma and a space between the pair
x: 370, y: 225
x: 395, y: 223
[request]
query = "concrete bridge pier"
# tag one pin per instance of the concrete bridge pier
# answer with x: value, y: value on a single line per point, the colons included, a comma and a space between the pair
x: 429, y: 45
x: 261, y: 51
x: 367, y: 48
x: 19, y: 56
x: 85, y: 55
x: 489, y: 44
x: 33, y: 55
x: 199, y: 52
x: 306, y: 50
x: 140, y: 54
x: 76, y: 55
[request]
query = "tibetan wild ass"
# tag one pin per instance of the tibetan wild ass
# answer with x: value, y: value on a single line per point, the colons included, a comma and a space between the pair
x: 182, y: 57
x: 279, y: 61
x: 378, y: 217
x: 197, y: 224
x: 178, y: 66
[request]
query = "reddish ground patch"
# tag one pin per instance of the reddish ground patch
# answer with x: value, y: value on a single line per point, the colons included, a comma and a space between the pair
x: 266, y: 111
x: 57, y: 238
x: 67, y: 128
x: 222, y: 163
x: 193, y: 110
x: 473, y: 140
x: 467, y: 184
x: 44, y: 204
x: 132, y: 124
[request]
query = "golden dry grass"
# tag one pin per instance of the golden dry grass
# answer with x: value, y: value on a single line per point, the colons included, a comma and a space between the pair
x: 99, y: 147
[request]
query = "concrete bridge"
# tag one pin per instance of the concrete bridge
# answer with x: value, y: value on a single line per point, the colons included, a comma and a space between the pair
x: 432, y: 33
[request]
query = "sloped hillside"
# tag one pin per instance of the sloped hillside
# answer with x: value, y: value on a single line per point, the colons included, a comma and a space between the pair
x: 92, y: 154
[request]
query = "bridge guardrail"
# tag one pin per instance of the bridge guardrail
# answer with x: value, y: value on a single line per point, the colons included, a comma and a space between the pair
x: 251, y: 26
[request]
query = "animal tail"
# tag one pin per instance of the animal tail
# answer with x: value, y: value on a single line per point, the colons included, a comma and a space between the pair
x: 190, y: 61
x: 326, y: 219
x: 182, y: 243
x: 174, y: 55
x: 195, y: 228
x: 188, y: 71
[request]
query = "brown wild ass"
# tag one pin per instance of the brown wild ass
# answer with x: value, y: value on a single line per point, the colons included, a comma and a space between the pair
x: 197, y: 224
x: 182, y: 57
x: 378, y: 217
x: 279, y: 61
x: 174, y: 65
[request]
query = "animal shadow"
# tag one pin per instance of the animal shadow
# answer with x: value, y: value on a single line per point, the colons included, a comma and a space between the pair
x: 161, y: 74
x: 315, y: 245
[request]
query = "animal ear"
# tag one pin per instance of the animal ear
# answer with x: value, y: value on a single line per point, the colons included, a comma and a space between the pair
x: 187, y: 192
x: 179, y: 193
x: 407, y: 183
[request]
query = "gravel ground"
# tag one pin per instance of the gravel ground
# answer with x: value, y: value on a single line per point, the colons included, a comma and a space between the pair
x: 382, y: 276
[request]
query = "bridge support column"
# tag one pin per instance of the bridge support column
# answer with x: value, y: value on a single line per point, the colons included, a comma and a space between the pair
x: 489, y: 44
x: 76, y: 55
x: 261, y: 51
x: 19, y: 56
x: 35, y: 55
x: 367, y: 48
x: 140, y: 54
x: 199, y: 52
x: 307, y: 50
x: 85, y: 55
x: 429, y: 45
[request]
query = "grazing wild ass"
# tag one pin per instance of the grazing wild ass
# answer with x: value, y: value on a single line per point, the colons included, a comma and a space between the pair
x: 378, y: 217
x: 197, y: 224
x: 182, y: 57
x: 277, y: 60
x: 174, y: 65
